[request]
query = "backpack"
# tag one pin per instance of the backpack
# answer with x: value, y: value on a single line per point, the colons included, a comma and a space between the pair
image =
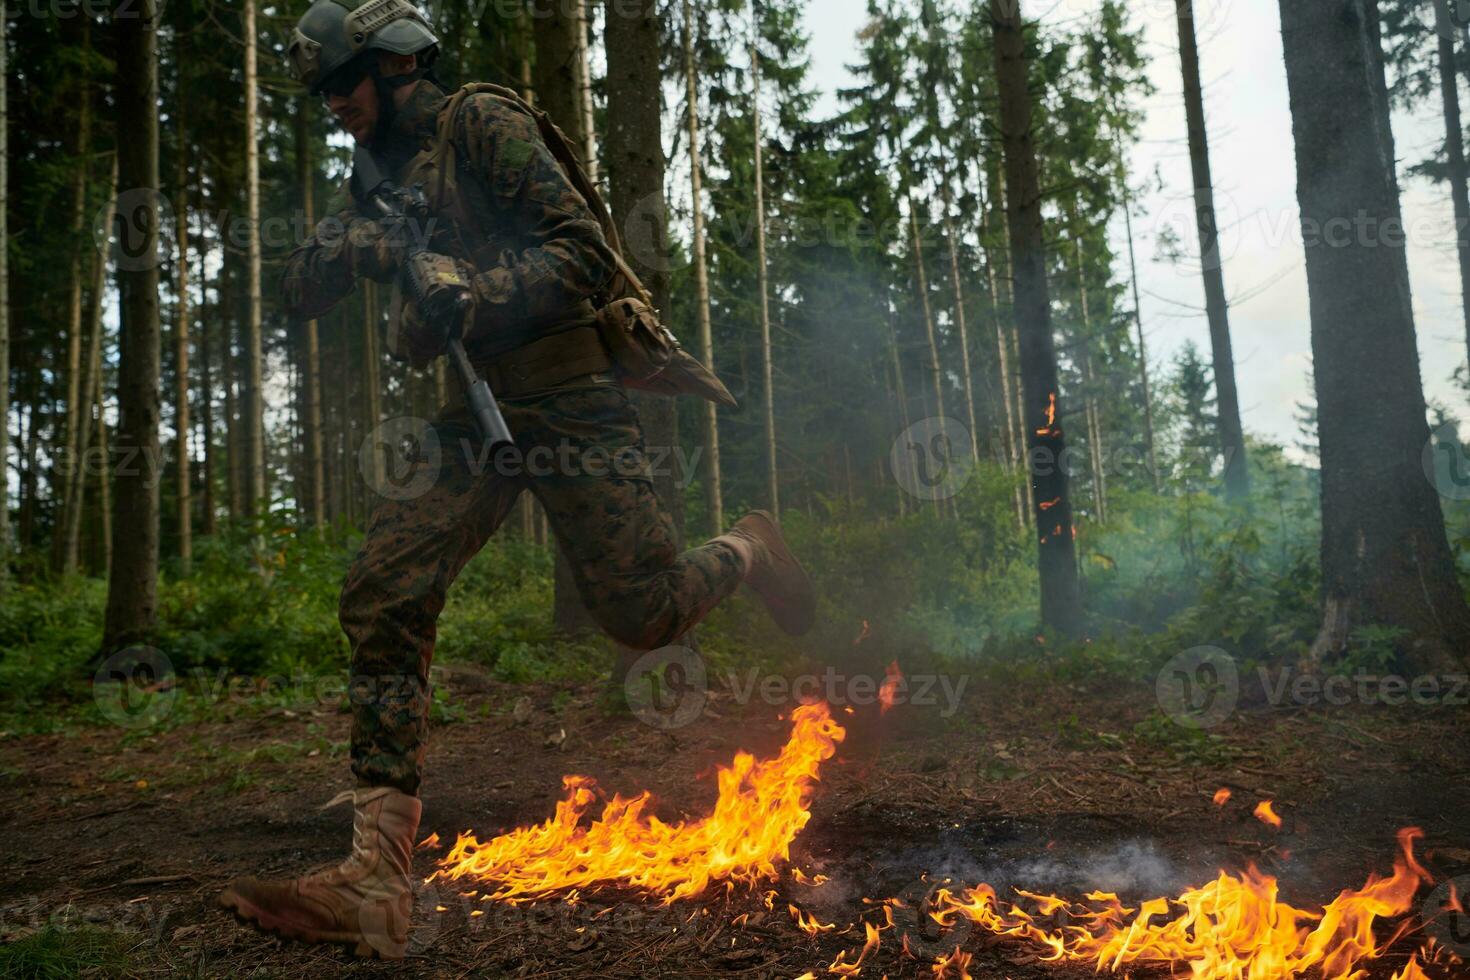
x: 647, y: 355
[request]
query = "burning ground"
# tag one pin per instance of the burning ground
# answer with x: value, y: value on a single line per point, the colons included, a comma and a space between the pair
x: 919, y: 835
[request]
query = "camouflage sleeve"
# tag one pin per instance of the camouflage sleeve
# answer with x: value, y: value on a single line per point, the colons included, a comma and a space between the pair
x: 567, y: 259
x: 344, y: 247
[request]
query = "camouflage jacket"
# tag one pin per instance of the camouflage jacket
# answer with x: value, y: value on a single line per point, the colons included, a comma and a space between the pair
x: 538, y: 252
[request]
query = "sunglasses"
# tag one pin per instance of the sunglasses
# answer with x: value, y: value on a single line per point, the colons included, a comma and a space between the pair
x: 344, y: 81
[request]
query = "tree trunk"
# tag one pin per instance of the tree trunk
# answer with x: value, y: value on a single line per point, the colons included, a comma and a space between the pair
x: 1232, y: 436
x: 1094, y: 421
x: 254, y: 420
x: 70, y: 470
x: 773, y: 477
x: 4, y: 310
x: 903, y: 410
x: 583, y: 65
x: 372, y: 382
x: 1385, y: 557
x: 311, y: 342
x: 91, y: 368
x: 557, y: 79
x: 1455, y: 151
x: 633, y: 152
x: 132, y: 582
x: 959, y: 321
x: 206, y: 405
x: 1011, y: 432
x: 104, y: 473
x: 1061, y: 605
x: 714, y: 492
x: 182, y: 326
x: 1148, y: 400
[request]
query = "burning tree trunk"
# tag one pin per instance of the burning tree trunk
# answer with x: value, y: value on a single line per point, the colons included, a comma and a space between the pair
x: 714, y: 495
x: 1232, y: 436
x: 1061, y: 604
x: 132, y: 581
x: 1385, y: 557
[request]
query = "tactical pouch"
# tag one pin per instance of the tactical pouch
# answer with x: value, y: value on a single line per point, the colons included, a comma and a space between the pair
x: 648, y: 357
x: 640, y: 346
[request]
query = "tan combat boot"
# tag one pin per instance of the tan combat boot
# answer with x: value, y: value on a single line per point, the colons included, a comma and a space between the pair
x: 773, y: 572
x: 367, y: 900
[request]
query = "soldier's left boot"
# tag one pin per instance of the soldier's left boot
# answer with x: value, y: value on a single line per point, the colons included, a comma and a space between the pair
x: 773, y: 572
x: 366, y: 901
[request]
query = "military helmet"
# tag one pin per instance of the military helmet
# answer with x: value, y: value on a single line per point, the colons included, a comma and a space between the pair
x: 333, y: 32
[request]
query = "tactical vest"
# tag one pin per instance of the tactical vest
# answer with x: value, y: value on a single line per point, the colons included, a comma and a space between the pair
x: 628, y: 331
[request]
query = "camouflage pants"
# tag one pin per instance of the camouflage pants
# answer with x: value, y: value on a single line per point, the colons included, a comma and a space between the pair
x: 581, y: 456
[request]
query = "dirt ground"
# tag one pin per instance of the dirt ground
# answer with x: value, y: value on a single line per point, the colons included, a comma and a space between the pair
x: 1049, y: 786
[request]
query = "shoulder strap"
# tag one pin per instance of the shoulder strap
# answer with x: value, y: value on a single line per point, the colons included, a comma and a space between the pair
x: 561, y: 150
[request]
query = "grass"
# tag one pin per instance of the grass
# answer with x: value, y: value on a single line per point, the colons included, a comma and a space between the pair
x: 61, y: 953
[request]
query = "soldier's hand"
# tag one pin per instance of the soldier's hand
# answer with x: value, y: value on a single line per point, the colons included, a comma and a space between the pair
x: 442, y: 304
x: 375, y: 249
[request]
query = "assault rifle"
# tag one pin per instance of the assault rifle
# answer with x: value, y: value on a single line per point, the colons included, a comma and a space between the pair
x: 441, y: 304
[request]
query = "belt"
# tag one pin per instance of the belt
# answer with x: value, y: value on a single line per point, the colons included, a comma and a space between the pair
x: 546, y: 363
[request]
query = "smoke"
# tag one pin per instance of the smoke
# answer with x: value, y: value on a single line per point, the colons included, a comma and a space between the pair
x: 1133, y: 869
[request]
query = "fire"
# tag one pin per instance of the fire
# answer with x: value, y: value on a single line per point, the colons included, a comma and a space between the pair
x: 1267, y: 814
x: 840, y: 967
x: 1222, y: 796
x: 1411, y: 971
x: 958, y: 961
x: 1051, y: 416
x: 1230, y: 929
x: 893, y: 677
x: 763, y: 804
x: 809, y: 923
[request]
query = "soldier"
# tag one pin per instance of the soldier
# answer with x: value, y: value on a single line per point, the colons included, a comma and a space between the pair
x: 538, y: 265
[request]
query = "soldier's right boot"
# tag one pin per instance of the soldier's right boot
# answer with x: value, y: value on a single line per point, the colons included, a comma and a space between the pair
x: 367, y: 901
x: 773, y: 572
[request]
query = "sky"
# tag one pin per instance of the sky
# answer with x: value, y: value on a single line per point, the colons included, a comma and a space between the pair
x: 1254, y: 170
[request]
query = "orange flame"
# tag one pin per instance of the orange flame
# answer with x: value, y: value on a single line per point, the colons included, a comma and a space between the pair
x: 958, y: 961
x: 1411, y: 971
x: 762, y: 805
x: 1051, y: 416
x: 809, y: 923
x: 1267, y: 814
x: 1222, y: 796
x: 1230, y: 929
x: 893, y: 677
x: 867, y: 631
x: 840, y: 967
